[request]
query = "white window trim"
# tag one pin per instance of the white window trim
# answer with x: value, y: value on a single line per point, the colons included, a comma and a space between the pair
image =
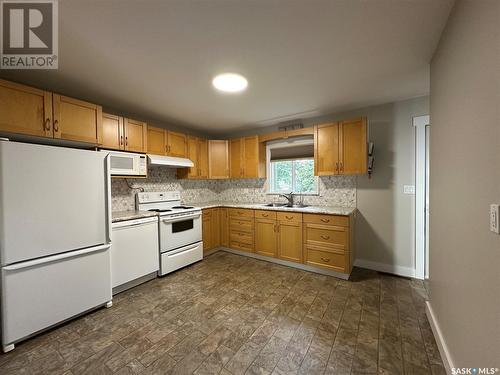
x: 270, y: 177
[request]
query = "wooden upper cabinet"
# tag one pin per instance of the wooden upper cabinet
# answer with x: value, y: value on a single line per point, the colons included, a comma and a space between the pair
x: 176, y: 144
x: 340, y: 148
x: 136, y: 135
x: 247, y: 158
x: 157, y: 141
x: 76, y: 120
x: 218, y: 159
x: 236, y: 151
x: 193, y: 155
x: 353, y: 159
x: 326, y: 149
x: 203, y: 158
x: 25, y: 110
x: 112, y: 132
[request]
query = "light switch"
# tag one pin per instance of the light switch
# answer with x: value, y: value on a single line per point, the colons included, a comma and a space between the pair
x: 408, y: 189
x: 494, y: 224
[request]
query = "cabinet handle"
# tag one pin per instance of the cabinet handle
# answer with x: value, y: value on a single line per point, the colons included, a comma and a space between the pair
x: 325, y: 220
x: 289, y: 217
x: 336, y: 166
x: 56, y: 125
x: 325, y: 237
x: 121, y: 139
x: 265, y: 215
x: 278, y: 228
x: 341, y: 167
x: 166, y: 148
x: 326, y: 260
x: 47, y: 124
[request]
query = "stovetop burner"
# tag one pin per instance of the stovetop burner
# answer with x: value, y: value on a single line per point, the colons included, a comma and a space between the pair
x: 159, y: 210
x: 182, y: 207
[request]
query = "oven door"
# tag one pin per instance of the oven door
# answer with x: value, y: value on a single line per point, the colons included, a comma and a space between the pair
x: 179, y: 231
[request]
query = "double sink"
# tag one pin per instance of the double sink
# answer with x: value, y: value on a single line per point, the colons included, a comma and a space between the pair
x: 284, y: 205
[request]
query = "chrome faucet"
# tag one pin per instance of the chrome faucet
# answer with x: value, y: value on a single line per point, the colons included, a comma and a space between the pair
x: 289, y: 197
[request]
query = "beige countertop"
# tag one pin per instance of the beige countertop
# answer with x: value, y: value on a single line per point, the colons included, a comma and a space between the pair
x: 330, y: 210
x: 130, y: 215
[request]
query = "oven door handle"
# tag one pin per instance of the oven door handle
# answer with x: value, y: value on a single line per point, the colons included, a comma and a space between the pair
x: 182, y: 218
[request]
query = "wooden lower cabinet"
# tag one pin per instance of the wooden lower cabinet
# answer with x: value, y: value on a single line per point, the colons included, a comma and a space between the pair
x: 266, y: 239
x: 210, y: 229
x: 290, y: 241
x: 316, y: 240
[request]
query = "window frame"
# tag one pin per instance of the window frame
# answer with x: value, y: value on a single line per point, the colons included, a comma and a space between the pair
x: 270, y: 169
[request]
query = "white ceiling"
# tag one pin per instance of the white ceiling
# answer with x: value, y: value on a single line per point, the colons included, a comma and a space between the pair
x: 156, y: 59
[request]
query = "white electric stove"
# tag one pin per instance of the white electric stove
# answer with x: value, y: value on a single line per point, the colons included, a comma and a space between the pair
x: 179, y: 227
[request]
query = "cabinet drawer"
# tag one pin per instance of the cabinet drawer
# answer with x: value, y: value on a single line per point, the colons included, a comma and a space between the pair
x: 240, y: 212
x: 289, y: 216
x: 327, y: 236
x: 246, y: 238
x: 241, y: 246
x: 265, y: 214
x: 326, y: 259
x: 327, y: 219
x: 241, y: 225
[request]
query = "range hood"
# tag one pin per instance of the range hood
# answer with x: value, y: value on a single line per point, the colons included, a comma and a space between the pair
x: 170, y: 161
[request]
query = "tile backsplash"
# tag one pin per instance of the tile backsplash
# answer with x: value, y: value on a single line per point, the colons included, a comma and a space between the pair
x: 333, y: 190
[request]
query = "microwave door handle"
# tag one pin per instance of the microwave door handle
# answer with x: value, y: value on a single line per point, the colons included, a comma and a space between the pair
x: 181, y: 218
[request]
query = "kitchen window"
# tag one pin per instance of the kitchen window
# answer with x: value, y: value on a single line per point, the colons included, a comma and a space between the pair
x: 291, y: 167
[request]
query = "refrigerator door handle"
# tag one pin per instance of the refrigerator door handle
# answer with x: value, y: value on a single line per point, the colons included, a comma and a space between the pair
x: 107, y: 175
x: 53, y: 258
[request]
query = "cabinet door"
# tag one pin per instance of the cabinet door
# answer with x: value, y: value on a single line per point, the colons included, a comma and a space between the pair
x: 207, y: 230
x: 224, y: 226
x: 176, y: 144
x: 25, y: 110
x: 326, y: 149
x: 353, y: 147
x: 112, y: 132
x: 236, y: 151
x: 266, y: 237
x: 215, y: 227
x: 156, y: 141
x: 76, y: 120
x: 251, y: 157
x: 290, y: 241
x: 203, y: 158
x: 218, y: 159
x: 193, y: 155
x: 136, y: 135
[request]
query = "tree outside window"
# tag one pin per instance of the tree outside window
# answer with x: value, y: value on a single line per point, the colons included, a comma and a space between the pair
x: 295, y: 176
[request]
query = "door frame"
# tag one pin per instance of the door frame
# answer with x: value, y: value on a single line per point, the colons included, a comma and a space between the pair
x: 421, y: 123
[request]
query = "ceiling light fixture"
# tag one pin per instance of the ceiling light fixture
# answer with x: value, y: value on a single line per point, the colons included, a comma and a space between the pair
x: 230, y: 82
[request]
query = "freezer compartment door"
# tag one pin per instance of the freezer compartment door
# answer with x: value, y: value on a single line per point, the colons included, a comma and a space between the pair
x: 175, y: 259
x: 134, y: 251
x: 40, y: 293
x: 52, y: 200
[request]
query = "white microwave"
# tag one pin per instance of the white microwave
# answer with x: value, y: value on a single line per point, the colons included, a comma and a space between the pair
x: 127, y: 164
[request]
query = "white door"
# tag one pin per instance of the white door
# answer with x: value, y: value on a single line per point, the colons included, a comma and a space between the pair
x: 52, y: 200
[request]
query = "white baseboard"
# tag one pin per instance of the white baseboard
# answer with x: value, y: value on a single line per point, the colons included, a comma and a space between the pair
x: 438, y: 335
x: 388, y: 268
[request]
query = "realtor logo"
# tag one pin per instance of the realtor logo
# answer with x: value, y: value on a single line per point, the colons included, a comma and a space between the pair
x: 29, y: 34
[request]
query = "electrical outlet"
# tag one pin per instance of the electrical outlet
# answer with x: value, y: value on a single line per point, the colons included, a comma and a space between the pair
x: 494, y: 218
x: 408, y: 189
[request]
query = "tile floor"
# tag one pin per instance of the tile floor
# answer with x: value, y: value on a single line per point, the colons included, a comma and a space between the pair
x: 235, y: 315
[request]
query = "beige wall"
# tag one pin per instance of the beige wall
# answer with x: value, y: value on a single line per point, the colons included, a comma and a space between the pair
x: 465, y: 179
x: 386, y: 216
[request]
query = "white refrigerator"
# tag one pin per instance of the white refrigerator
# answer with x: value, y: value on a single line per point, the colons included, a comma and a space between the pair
x: 54, y: 236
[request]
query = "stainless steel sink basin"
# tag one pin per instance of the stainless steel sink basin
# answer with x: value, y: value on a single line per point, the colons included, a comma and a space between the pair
x: 285, y: 205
